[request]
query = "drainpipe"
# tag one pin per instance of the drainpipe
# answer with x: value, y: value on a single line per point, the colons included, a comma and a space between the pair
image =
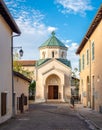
x: 13, y: 96
x: 89, y: 69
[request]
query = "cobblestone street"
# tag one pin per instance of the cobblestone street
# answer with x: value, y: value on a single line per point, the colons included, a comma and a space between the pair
x: 47, y: 117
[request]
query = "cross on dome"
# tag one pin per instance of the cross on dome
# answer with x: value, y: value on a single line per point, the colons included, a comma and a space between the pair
x: 53, y: 33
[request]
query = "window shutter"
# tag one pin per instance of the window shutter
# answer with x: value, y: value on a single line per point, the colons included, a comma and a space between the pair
x: 93, y: 55
x: 83, y: 61
x: 20, y: 103
x: 79, y: 65
x: 25, y: 100
x: 3, y: 103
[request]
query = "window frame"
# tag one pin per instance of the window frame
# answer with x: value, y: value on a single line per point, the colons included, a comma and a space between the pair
x: 87, y: 56
x: 93, y: 50
x: 83, y: 61
x: 80, y: 65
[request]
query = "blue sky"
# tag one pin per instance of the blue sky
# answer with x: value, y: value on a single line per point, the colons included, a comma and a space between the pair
x: 70, y: 19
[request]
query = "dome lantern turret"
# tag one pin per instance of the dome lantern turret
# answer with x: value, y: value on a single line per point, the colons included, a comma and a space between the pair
x: 53, y: 48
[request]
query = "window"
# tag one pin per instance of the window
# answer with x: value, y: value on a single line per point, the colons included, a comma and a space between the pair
x: 17, y: 103
x: 43, y: 54
x: 62, y: 55
x: 79, y: 65
x: 3, y: 103
x: 93, y: 55
x: 52, y: 54
x: 87, y: 56
x: 25, y: 100
x: 83, y: 61
x: 93, y: 77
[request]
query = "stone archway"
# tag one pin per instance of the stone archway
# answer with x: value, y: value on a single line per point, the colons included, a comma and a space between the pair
x: 53, y: 84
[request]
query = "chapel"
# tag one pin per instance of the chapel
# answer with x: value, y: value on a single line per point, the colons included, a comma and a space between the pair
x: 53, y: 72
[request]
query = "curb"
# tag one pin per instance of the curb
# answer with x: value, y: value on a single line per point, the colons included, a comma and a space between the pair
x: 90, y: 122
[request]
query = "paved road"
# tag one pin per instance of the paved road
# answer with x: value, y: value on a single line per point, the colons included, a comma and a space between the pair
x: 46, y: 117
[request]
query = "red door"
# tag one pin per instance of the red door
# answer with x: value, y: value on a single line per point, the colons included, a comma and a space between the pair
x: 53, y: 92
x: 50, y: 92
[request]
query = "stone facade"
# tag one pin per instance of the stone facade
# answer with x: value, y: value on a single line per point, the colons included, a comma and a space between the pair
x: 21, y: 92
x: 52, y: 72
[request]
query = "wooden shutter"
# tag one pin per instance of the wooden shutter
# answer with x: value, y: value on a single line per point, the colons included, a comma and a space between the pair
x: 25, y: 100
x: 3, y: 103
x: 20, y: 103
x: 17, y: 103
x: 50, y: 92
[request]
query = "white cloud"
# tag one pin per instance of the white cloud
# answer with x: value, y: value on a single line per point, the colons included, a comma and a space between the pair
x: 74, y: 6
x: 50, y: 29
x: 33, y: 30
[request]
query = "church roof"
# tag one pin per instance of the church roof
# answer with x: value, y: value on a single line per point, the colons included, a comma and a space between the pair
x: 53, y: 41
x: 27, y: 62
x: 41, y: 61
x: 21, y: 76
x: 64, y: 61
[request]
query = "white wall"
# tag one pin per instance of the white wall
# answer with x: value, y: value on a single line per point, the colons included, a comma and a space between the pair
x: 5, y: 67
x: 20, y: 86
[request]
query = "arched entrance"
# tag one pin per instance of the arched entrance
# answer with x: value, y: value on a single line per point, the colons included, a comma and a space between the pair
x: 53, y: 87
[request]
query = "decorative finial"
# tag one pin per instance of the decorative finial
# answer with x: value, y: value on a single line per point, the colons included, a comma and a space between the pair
x: 53, y: 33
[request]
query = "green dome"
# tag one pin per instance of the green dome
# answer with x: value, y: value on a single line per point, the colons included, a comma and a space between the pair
x: 53, y: 41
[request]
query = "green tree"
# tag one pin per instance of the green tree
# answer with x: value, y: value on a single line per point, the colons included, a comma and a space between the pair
x: 74, y: 72
x: 19, y: 68
x: 32, y: 89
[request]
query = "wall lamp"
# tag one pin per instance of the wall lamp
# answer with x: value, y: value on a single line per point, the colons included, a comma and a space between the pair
x: 20, y: 51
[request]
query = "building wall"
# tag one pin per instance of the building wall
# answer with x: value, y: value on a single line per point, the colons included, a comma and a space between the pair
x: 5, y: 68
x: 95, y: 69
x: 20, y: 87
x: 30, y: 69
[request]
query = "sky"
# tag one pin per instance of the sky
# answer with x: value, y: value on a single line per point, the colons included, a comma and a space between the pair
x: 70, y: 19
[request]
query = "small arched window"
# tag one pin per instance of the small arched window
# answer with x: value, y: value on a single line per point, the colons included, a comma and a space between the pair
x: 43, y: 54
x: 62, y: 54
x: 52, y: 54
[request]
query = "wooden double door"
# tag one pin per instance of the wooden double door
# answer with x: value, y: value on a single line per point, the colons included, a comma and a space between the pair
x: 52, y: 92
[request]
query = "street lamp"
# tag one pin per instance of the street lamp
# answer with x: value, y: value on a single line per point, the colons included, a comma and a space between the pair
x: 20, y: 51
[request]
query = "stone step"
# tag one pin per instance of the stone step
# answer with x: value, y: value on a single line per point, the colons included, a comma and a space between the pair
x: 54, y: 101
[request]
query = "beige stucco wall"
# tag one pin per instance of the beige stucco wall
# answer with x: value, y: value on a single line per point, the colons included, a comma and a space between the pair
x: 61, y: 72
x: 5, y: 67
x: 20, y: 86
x: 96, y: 70
x: 30, y: 69
x: 57, y: 52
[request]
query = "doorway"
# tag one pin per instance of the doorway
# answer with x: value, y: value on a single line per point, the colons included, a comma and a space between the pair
x: 53, y: 92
